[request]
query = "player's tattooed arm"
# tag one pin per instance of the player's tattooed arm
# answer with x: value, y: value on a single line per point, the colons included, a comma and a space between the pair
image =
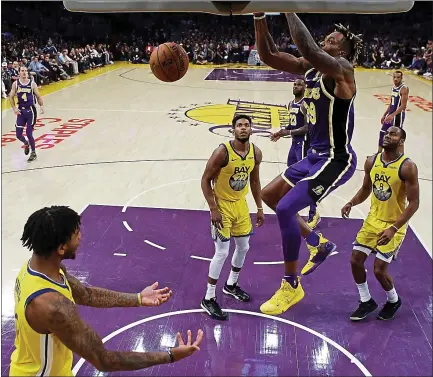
x: 60, y: 317
x: 218, y: 160
x: 269, y: 53
x: 334, y: 67
x: 99, y: 297
x: 409, y: 173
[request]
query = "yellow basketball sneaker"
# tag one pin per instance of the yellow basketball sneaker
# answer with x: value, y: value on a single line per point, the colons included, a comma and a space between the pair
x: 283, y: 299
x: 318, y: 254
x: 314, y: 220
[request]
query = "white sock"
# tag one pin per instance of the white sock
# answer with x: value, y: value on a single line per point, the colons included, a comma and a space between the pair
x: 392, y: 296
x: 233, y: 277
x: 210, y: 293
x: 364, y: 292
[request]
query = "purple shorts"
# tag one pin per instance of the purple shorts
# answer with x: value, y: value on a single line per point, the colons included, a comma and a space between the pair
x: 398, y: 121
x: 322, y: 172
x: 297, y: 152
x: 27, y: 117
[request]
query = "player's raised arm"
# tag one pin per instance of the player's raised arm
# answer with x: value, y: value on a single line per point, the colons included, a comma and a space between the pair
x: 269, y: 53
x: 54, y: 313
x: 319, y: 58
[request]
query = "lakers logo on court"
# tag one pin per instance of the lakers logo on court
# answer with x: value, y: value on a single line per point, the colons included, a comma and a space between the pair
x: 381, y: 188
x: 239, y: 179
x: 267, y: 118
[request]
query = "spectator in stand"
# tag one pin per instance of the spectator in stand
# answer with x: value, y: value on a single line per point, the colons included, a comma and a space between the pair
x: 136, y: 57
x: 6, y: 79
x: 221, y: 54
x: 53, y: 72
x: 41, y: 71
x: 13, y: 70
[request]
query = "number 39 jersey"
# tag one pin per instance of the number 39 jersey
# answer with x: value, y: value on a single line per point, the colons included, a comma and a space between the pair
x: 331, y: 119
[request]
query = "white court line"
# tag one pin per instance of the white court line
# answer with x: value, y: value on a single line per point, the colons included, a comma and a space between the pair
x: 127, y: 226
x: 120, y: 254
x: 421, y: 241
x: 209, y: 74
x: 340, y: 348
x: 155, y: 188
x: 154, y: 245
x: 83, y: 209
x: 78, y: 83
x: 201, y: 258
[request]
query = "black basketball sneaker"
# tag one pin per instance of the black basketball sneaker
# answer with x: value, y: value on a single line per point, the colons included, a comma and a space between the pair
x: 212, y: 308
x: 364, y: 309
x: 389, y: 309
x: 237, y: 292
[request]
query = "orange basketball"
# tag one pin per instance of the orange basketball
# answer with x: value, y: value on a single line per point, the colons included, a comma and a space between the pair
x: 169, y: 62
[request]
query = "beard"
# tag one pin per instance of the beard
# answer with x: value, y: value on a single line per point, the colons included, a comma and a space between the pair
x: 390, y: 147
x: 243, y: 140
x: 70, y: 254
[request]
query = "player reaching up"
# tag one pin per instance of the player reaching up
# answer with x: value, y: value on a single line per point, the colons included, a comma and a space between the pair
x: 329, y: 96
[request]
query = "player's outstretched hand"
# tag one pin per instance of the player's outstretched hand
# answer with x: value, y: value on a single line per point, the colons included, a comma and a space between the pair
x: 345, y: 211
x: 151, y: 296
x: 184, y: 350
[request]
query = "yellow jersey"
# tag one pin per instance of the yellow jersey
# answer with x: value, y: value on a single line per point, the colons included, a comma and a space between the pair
x: 388, y: 200
x: 37, y: 354
x: 232, y: 182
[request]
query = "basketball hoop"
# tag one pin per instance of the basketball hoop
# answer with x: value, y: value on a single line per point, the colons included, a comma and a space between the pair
x: 239, y: 7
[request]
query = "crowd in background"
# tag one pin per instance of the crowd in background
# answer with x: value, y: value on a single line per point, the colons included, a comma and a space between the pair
x: 55, y: 44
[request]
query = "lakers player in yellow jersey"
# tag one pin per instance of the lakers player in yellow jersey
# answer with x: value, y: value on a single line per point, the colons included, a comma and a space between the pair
x: 393, y: 178
x: 232, y: 167
x: 48, y: 325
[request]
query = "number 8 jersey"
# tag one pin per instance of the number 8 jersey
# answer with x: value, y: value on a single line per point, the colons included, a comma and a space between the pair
x: 331, y: 119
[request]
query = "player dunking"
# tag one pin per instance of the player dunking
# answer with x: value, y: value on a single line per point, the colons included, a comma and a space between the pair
x: 298, y: 131
x: 395, y: 113
x: 231, y: 168
x: 393, y: 178
x: 26, y: 90
x: 331, y: 161
x: 48, y: 325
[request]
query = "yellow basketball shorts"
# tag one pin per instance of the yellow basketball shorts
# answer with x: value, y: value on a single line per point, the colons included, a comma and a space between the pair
x: 368, y: 235
x: 235, y: 218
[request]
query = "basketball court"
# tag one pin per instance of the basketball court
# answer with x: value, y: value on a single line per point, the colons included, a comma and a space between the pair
x: 128, y: 151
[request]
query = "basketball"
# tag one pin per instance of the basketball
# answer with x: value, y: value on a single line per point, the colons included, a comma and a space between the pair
x: 169, y: 62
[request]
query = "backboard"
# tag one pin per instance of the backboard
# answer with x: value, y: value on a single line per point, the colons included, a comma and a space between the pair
x: 239, y: 7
